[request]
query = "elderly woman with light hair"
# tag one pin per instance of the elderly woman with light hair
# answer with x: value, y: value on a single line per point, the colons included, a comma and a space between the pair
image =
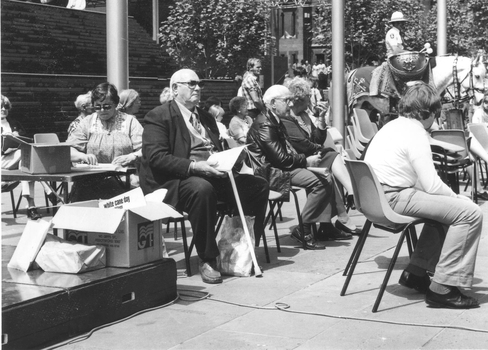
x: 130, y: 102
x: 308, y: 139
x: 165, y: 95
x: 84, y: 106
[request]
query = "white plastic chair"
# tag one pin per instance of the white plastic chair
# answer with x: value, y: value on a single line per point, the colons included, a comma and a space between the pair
x: 370, y: 200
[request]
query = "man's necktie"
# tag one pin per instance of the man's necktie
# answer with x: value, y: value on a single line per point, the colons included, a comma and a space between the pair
x: 196, y: 123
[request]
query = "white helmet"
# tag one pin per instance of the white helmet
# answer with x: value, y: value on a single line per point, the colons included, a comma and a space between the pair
x: 398, y: 17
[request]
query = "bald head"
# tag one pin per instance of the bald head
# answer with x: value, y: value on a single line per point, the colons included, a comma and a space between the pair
x: 276, y: 91
x: 278, y: 99
x: 182, y: 90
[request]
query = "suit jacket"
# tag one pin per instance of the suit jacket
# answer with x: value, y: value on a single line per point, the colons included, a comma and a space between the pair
x: 166, y: 146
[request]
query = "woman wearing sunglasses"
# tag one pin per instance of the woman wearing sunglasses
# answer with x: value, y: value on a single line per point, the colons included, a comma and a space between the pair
x: 106, y: 136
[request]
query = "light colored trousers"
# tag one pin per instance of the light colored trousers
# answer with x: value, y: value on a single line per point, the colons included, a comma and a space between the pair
x: 454, y: 260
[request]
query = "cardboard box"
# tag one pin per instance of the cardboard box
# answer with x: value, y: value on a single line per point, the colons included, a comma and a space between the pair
x: 131, y: 236
x: 44, y: 158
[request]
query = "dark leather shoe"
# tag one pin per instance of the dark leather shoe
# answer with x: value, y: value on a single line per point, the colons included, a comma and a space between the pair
x: 350, y: 202
x: 310, y: 242
x: 33, y: 214
x: 483, y: 196
x: 452, y: 300
x: 209, y: 273
x: 327, y: 232
x: 340, y: 226
x: 409, y: 280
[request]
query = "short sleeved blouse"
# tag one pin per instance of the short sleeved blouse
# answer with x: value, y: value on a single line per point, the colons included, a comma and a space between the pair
x: 118, y: 136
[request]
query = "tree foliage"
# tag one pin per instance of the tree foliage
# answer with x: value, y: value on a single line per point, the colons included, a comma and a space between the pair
x: 366, y: 24
x: 215, y: 37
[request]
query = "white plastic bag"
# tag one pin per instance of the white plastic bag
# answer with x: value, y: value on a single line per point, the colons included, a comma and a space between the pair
x: 235, y: 253
x: 58, y: 255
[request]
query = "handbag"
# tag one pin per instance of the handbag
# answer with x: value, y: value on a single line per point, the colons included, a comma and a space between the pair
x: 235, y: 253
x: 10, y: 161
x: 278, y: 180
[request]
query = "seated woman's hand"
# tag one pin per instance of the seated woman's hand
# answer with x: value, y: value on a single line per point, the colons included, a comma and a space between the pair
x: 314, y: 161
x: 89, y: 159
x: 124, y: 160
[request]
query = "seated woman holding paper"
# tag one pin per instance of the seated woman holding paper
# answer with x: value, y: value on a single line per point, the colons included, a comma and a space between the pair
x: 309, y: 140
x: 106, y: 136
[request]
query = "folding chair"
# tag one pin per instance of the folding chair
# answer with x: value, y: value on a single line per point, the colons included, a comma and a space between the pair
x: 480, y: 132
x: 370, y: 200
x: 450, y: 164
x: 10, y: 188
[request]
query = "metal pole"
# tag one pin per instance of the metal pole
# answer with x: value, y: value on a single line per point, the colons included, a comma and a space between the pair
x: 118, y: 43
x: 272, y: 31
x: 155, y: 17
x: 441, y: 27
x: 338, y: 94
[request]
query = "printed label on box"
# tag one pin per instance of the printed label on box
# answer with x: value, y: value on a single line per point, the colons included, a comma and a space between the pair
x: 145, y: 235
x: 76, y: 236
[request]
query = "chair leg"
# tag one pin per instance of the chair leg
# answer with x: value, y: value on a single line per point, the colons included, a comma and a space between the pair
x: 355, y: 255
x: 273, y: 223
x: 265, y: 245
x: 186, y: 251
x: 299, y: 216
x: 12, y: 199
x: 391, y: 266
x: 18, y: 203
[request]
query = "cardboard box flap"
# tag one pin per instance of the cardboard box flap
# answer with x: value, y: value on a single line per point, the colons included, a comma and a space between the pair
x: 30, y: 142
x: 88, y: 219
x: 155, y: 211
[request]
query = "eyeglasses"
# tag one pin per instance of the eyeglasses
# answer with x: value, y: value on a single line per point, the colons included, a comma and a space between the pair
x: 5, y: 106
x: 192, y: 83
x: 104, y: 107
x: 287, y: 100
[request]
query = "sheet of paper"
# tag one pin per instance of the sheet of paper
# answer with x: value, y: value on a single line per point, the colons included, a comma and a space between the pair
x: 225, y: 160
x: 30, y: 242
x: 99, y: 166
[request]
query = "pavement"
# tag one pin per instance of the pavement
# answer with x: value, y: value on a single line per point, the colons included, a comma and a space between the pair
x: 296, y: 303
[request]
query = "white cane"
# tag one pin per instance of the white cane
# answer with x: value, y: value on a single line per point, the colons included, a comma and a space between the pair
x: 257, y: 270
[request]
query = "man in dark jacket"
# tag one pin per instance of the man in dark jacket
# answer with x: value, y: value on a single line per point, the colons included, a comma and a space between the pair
x: 268, y: 140
x: 177, y: 140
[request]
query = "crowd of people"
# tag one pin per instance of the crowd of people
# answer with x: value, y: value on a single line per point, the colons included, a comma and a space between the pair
x: 285, y: 128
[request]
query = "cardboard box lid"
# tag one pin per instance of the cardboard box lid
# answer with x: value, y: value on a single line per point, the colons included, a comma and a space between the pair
x: 88, y: 219
x: 24, y: 142
x: 155, y: 211
x: 74, y: 217
x: 30, y: 243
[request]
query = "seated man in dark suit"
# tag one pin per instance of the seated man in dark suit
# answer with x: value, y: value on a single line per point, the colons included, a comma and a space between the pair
x: 178, y: 138
x: 268, y: 140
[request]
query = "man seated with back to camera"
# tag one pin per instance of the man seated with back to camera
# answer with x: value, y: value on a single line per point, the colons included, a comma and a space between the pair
x: 268, y: 140
x: 401, y: 158
x: 178, y: 139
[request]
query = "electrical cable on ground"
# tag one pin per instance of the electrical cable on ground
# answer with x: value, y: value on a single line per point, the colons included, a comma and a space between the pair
x: 189, y: 295
x: 286, y: 308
